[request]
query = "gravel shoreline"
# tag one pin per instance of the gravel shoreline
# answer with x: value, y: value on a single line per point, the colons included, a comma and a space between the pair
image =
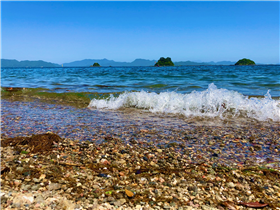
x: 140, y: 166
x: 116, y: 175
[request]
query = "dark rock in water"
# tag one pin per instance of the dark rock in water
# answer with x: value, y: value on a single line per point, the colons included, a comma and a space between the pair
x: 123, y: 151
x: 173, y: 144
x: 133, y: 141
x: 257, y: 147
x: 145, y: 158
x: 215, y: 155
x: 187, y: 137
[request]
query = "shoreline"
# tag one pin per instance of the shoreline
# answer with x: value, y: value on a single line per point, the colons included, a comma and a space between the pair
x: 249, y: 138
x: 20, y: 93
x: 116, y: 175
x: 167, y: 163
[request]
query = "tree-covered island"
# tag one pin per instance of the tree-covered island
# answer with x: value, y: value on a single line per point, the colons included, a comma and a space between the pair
x: 95, y: 65
x: 244, y: 62
x: 164, y: 62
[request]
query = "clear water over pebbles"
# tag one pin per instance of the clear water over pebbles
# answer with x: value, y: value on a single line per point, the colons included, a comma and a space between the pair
x: 230, y: 142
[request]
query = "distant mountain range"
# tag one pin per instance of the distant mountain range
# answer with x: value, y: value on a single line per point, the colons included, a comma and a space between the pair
x: 102, y: 62
x: 191, y: 63
x: 15, y: 63
x: 106, y: 62
x: 138, y: 62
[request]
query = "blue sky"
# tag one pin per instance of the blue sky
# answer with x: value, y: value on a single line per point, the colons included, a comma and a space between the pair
x: 62, y: 32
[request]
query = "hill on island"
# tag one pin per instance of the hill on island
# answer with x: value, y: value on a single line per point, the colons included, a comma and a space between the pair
x: 95, y: 65
x: 26, y: 63
x: 245, y: 62
x: 164, y: 62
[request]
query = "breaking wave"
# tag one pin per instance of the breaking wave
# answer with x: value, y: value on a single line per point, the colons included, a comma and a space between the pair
x: 212, y: 102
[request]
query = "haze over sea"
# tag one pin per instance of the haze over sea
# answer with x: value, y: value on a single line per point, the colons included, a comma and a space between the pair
x: 185, y: 90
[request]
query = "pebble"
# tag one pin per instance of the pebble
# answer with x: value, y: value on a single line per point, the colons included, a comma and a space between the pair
x: 53, y: 186
x: 4, y: 200
x: 231, y: 184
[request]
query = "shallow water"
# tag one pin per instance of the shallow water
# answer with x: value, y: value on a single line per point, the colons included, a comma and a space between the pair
x: 27, y: 118
x: 195, y: 134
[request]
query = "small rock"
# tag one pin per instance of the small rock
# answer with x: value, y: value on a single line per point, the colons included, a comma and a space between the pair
x: 95, y: 187
x: 19, y: 169
x: 211, y: 142
x: 35, y: 187
x: 257, y: 147
x: 166, y: 206
x: 154, y: 164
x: 4, y: 200
x: 36, y: 180
x: 129, y: 193
x: 111, y: 199
x: 104, y: 161
x: 120, y: 202
x: 231, y: 184
x: 53, y: 186
x: 205, y: 207
x: 39, y: 199
x: 25, y: 187
x: 17, y: 182
x: 192, y: 188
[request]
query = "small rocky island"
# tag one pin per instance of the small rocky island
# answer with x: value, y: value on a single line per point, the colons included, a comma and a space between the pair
x: 244, y: 62
x: 95, y: 65
x: 164, y: 62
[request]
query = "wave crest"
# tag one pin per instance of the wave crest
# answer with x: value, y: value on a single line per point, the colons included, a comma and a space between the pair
x: 211, y: 102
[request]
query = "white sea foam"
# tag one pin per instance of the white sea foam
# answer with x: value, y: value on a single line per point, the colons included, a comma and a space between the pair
x: 212, y: 102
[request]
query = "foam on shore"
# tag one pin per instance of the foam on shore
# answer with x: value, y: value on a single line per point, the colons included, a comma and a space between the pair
x: 211, y: 102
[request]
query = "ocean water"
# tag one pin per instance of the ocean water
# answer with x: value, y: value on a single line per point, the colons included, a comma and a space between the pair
x: 203, y: 91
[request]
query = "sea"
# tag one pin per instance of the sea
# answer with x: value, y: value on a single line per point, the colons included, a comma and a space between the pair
x: 183, y: 91
x: 160, y: 106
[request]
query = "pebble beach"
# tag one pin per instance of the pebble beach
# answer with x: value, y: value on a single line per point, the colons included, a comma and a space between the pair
x: 123, y: 160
